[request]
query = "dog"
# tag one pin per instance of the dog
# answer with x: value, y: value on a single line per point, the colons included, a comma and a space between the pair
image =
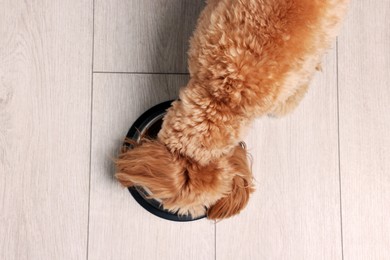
x: 247, y: 58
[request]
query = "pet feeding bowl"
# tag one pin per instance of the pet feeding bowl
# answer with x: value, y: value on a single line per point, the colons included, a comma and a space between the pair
x: 148, y: 125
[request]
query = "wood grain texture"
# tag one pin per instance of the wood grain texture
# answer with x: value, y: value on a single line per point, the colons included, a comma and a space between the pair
x: 364, y: 87
x: 119, y: 227
x: 295, y: 211
x: 144, y: 36
x: 45, y: 86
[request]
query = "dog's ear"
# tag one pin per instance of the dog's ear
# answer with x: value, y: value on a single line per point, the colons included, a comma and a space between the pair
x: 151, y: 165
x: 241, y: 188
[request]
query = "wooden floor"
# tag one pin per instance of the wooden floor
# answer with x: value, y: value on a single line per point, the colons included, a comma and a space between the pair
x: 74, y: 75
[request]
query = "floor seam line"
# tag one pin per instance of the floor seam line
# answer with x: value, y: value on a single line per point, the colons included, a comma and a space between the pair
x: 140, y: 73
x: 338, y: 148
x: 91, y: 123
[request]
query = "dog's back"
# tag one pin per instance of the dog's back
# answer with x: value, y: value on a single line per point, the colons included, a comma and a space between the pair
x: 262, y: 50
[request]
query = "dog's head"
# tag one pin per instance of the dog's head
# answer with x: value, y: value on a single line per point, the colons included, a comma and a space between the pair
x: 221, y: 188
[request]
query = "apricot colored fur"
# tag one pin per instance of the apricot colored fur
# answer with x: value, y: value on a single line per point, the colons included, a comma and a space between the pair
x: 247, y: 58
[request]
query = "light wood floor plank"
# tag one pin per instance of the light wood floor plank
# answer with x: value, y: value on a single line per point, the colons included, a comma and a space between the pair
x: 364, y: 85
x: 295, y: 211
x: 144, y: 36
x: 119, y: 227
x: 45, y: 93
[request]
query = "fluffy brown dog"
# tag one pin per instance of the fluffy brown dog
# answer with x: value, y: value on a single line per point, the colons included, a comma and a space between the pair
x: 247, y: 58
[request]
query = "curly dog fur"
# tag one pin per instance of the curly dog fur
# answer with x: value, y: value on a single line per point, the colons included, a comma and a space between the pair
x: 247, y: 58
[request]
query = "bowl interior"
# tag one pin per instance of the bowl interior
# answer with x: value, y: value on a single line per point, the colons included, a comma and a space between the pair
x: 152, y: 128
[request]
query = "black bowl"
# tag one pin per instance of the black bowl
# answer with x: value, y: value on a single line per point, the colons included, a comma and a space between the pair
x: 148, y: 125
